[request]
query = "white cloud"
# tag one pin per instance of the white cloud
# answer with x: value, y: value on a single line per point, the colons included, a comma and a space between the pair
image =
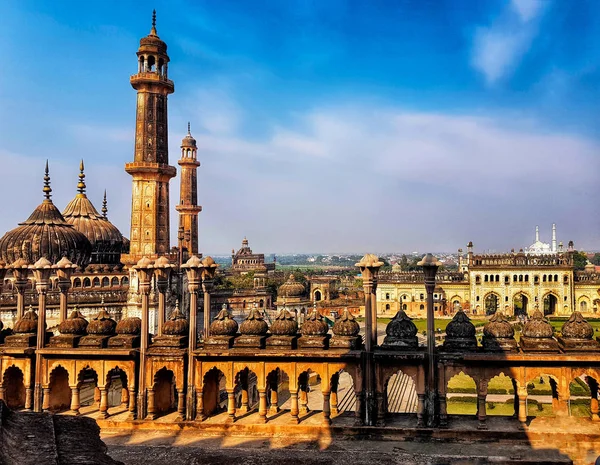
x: 498, y: 48
x: 527, y: 9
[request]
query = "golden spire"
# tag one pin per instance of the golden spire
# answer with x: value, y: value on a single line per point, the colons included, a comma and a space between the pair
x: 47, y: 189
x: 153, y: 30
x: 81, y: 183
x: 104, y: 208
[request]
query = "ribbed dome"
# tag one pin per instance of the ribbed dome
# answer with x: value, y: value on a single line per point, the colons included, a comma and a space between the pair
x: 105, y: 238
x: 291, y: 288
x: 45, y: 234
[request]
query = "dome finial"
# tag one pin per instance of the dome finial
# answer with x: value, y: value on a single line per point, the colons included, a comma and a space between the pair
x: 104, y: 207
x: 153, y: 30
x: 189, y: 133
x: 81, y: 183
x: 47, y: 189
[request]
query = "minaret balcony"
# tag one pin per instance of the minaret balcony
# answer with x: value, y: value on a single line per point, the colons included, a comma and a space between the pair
x: 152, y: 77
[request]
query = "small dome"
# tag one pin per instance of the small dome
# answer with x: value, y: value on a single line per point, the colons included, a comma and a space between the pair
x: 223, y: 325
x: 102, y: 324
x: 285, y: 324
x: 131, y: 326
x: 401, y: 326
x: 188, y: 140
x: 538, y: 327
x: 346, y: 325
x: 45, y: 234
x: 254, y: 324
x: 499, y: 327
x: 314, y: 325
x: 76, y: 324
x: 105, y: 238
x: 27, y: 324
x: 291, y: 288
x: 177, y: 324
x: 577, y: 327
x: 460, y: 326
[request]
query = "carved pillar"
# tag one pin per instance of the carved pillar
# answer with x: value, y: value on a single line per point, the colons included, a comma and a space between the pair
x: 151, y: 407
x: 421, y: 411
x: 64, y: 268
x: 28, y: 398
x: 193, y: 269
x: 481, y: 412
x: 20, y: 270
x: 294, y: 406
x: 208, y: 276
x: 132, y: 409
x: 200, y: 406
x: 303, y: 401
x: 262, y: 405
x: 334, y: 403
x: 430, y: 266
x: 46, y: 399
x: 380, y: 398
x: 41, y: 271
x: 443, y: 400
x: 274, y: 400
x: 75, y: 402
x: 162, y: 272
x: 103, y: 402
x: 326, y: 408
x: 244, y: 406
x: 180, y: 405
x: 358, y: 416
x: 231, y: 405
x: 124, y: 397
x: 522, y: 415
x: 369, y: 267
x: 144, y: 270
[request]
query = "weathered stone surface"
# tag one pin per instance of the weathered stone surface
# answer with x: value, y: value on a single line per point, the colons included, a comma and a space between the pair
x: 42, y: 439
x: 314, y: 325
x: 281, y: 341
x: 460, y: 334
x: 250, y: 341
x: 102, y: 324
x: 64, y: 341
x: 76, y: 324
x: 130, y: 326
x: 285, y: 324
x: 346, y: 325
x: 576, y: 327
x: 176, y: 325
x: 124, y: 341
x: 223, y: 325
x: 401, y: 333
x: 498, y: 335
x: 254, y: 324
x: 537, y: 335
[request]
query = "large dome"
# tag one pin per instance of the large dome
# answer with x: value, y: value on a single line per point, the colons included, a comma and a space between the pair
x: 107, y: 241
x: 291, y: 288
x: 45, y: 234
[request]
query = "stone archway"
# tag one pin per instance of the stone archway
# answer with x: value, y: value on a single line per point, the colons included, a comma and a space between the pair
x: 520, y: 304
x: 214, y: 392
x: 60, y: 391
x: 165, y: 399
x: 491, y: 303
x: 550, y: 304
x: 14, y: 388
x: 318, y: 296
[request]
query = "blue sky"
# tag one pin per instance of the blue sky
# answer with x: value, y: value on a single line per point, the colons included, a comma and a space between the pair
x: 322, y: 125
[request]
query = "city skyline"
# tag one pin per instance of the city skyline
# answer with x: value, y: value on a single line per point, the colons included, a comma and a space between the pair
x: 323, y: 119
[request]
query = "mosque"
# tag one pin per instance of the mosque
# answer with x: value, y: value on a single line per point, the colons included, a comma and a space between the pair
x: 92, y: 319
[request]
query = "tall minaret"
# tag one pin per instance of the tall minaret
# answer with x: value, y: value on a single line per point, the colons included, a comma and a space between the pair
x: 554, y: 238
x: 150, y: 169
x: 188, y: 207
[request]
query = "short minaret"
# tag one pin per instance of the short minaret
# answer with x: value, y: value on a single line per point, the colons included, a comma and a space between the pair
x: 554, y: 249
x: 188, y: 207
x: 537, y: 234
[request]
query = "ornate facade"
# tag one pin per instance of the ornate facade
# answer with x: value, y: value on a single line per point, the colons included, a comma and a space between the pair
x: 514, y: 283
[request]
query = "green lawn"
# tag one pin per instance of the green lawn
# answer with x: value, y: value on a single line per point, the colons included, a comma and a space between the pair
x: 421, y: 323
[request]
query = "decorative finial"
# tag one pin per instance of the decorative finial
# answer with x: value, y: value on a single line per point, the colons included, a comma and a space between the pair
x: 177, y: 305
x: 47, y: 189
x: 153, y: 30
x: 81, y: 183
x: 104, y: 207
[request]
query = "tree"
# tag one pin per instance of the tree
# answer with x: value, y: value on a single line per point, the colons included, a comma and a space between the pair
x: 579, y: 260
x: 596, y: 259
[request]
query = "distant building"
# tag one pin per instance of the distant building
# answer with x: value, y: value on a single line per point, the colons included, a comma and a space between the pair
x: 244, y: 261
